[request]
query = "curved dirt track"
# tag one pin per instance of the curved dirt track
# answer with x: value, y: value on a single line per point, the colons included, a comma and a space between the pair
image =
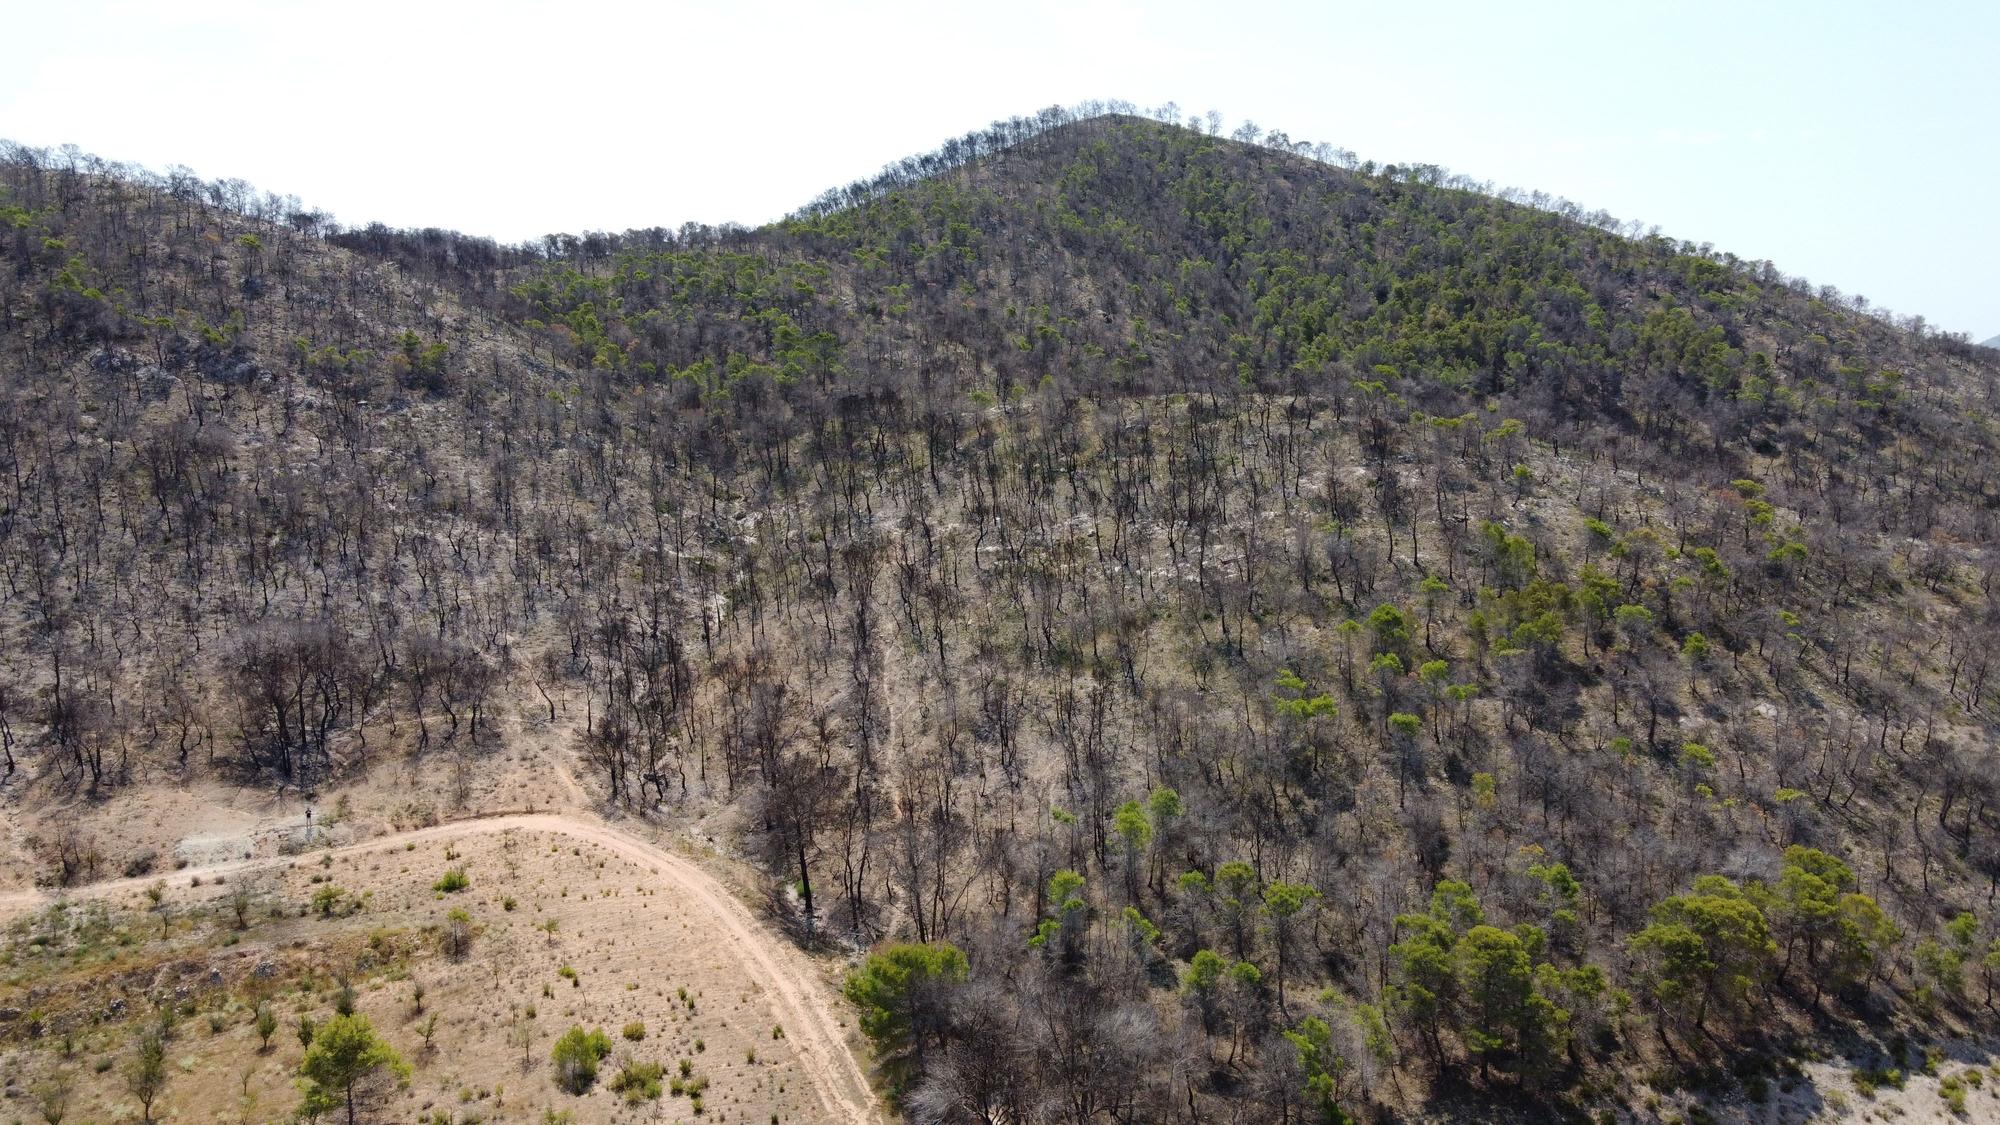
x: 810, y: 1023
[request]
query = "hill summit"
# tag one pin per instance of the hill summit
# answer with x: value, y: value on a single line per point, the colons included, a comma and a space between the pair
x: 1217, y: 628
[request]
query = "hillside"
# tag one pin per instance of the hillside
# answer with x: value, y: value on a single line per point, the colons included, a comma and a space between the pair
x: 1318, y: 638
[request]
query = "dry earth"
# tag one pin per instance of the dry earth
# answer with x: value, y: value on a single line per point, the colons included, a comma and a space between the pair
x: 651, y: 937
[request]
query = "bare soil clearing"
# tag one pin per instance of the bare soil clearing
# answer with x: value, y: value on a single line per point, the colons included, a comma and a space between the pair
x: 635, y: 920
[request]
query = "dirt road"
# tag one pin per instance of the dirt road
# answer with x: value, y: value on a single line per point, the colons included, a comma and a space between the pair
x: 797, y: 992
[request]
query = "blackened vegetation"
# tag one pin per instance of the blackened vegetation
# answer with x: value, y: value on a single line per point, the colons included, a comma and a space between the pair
x: 1312, y: 634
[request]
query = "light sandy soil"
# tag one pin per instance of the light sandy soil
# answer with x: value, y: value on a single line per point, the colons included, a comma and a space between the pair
x: 1839, y: 1090
x: 641, y: 926
x: 1830, y: 1093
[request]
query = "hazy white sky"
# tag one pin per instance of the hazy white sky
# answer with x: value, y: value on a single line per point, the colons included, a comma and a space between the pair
x: 1852, y: 143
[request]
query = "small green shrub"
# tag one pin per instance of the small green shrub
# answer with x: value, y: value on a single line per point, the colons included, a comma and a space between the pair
x: 576, y: 1056
x: 327, y: 899
x: 638, y: 1081
x: 1952, y: 1090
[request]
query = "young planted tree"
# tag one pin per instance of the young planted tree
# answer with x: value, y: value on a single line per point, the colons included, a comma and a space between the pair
x: 576, y: 1056
x: 241, y: 899
x: 456, y: 936
x: 522, y: 1034
x: 344, y: 1056
x: 52, y: 1095
x: 266, y: 1025
x: 146, y: 1073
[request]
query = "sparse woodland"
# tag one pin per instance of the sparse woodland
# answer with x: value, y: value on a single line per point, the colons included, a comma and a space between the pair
x: 1237, y: 633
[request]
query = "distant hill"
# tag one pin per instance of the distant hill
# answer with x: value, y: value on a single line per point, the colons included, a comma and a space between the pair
x: 1993, y: 343
x: 1321, y: 638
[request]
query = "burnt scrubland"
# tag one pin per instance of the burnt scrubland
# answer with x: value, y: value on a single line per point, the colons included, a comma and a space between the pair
x: 1220, y: 630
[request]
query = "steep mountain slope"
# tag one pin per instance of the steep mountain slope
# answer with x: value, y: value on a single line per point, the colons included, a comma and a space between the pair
x: 1315, y: 635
